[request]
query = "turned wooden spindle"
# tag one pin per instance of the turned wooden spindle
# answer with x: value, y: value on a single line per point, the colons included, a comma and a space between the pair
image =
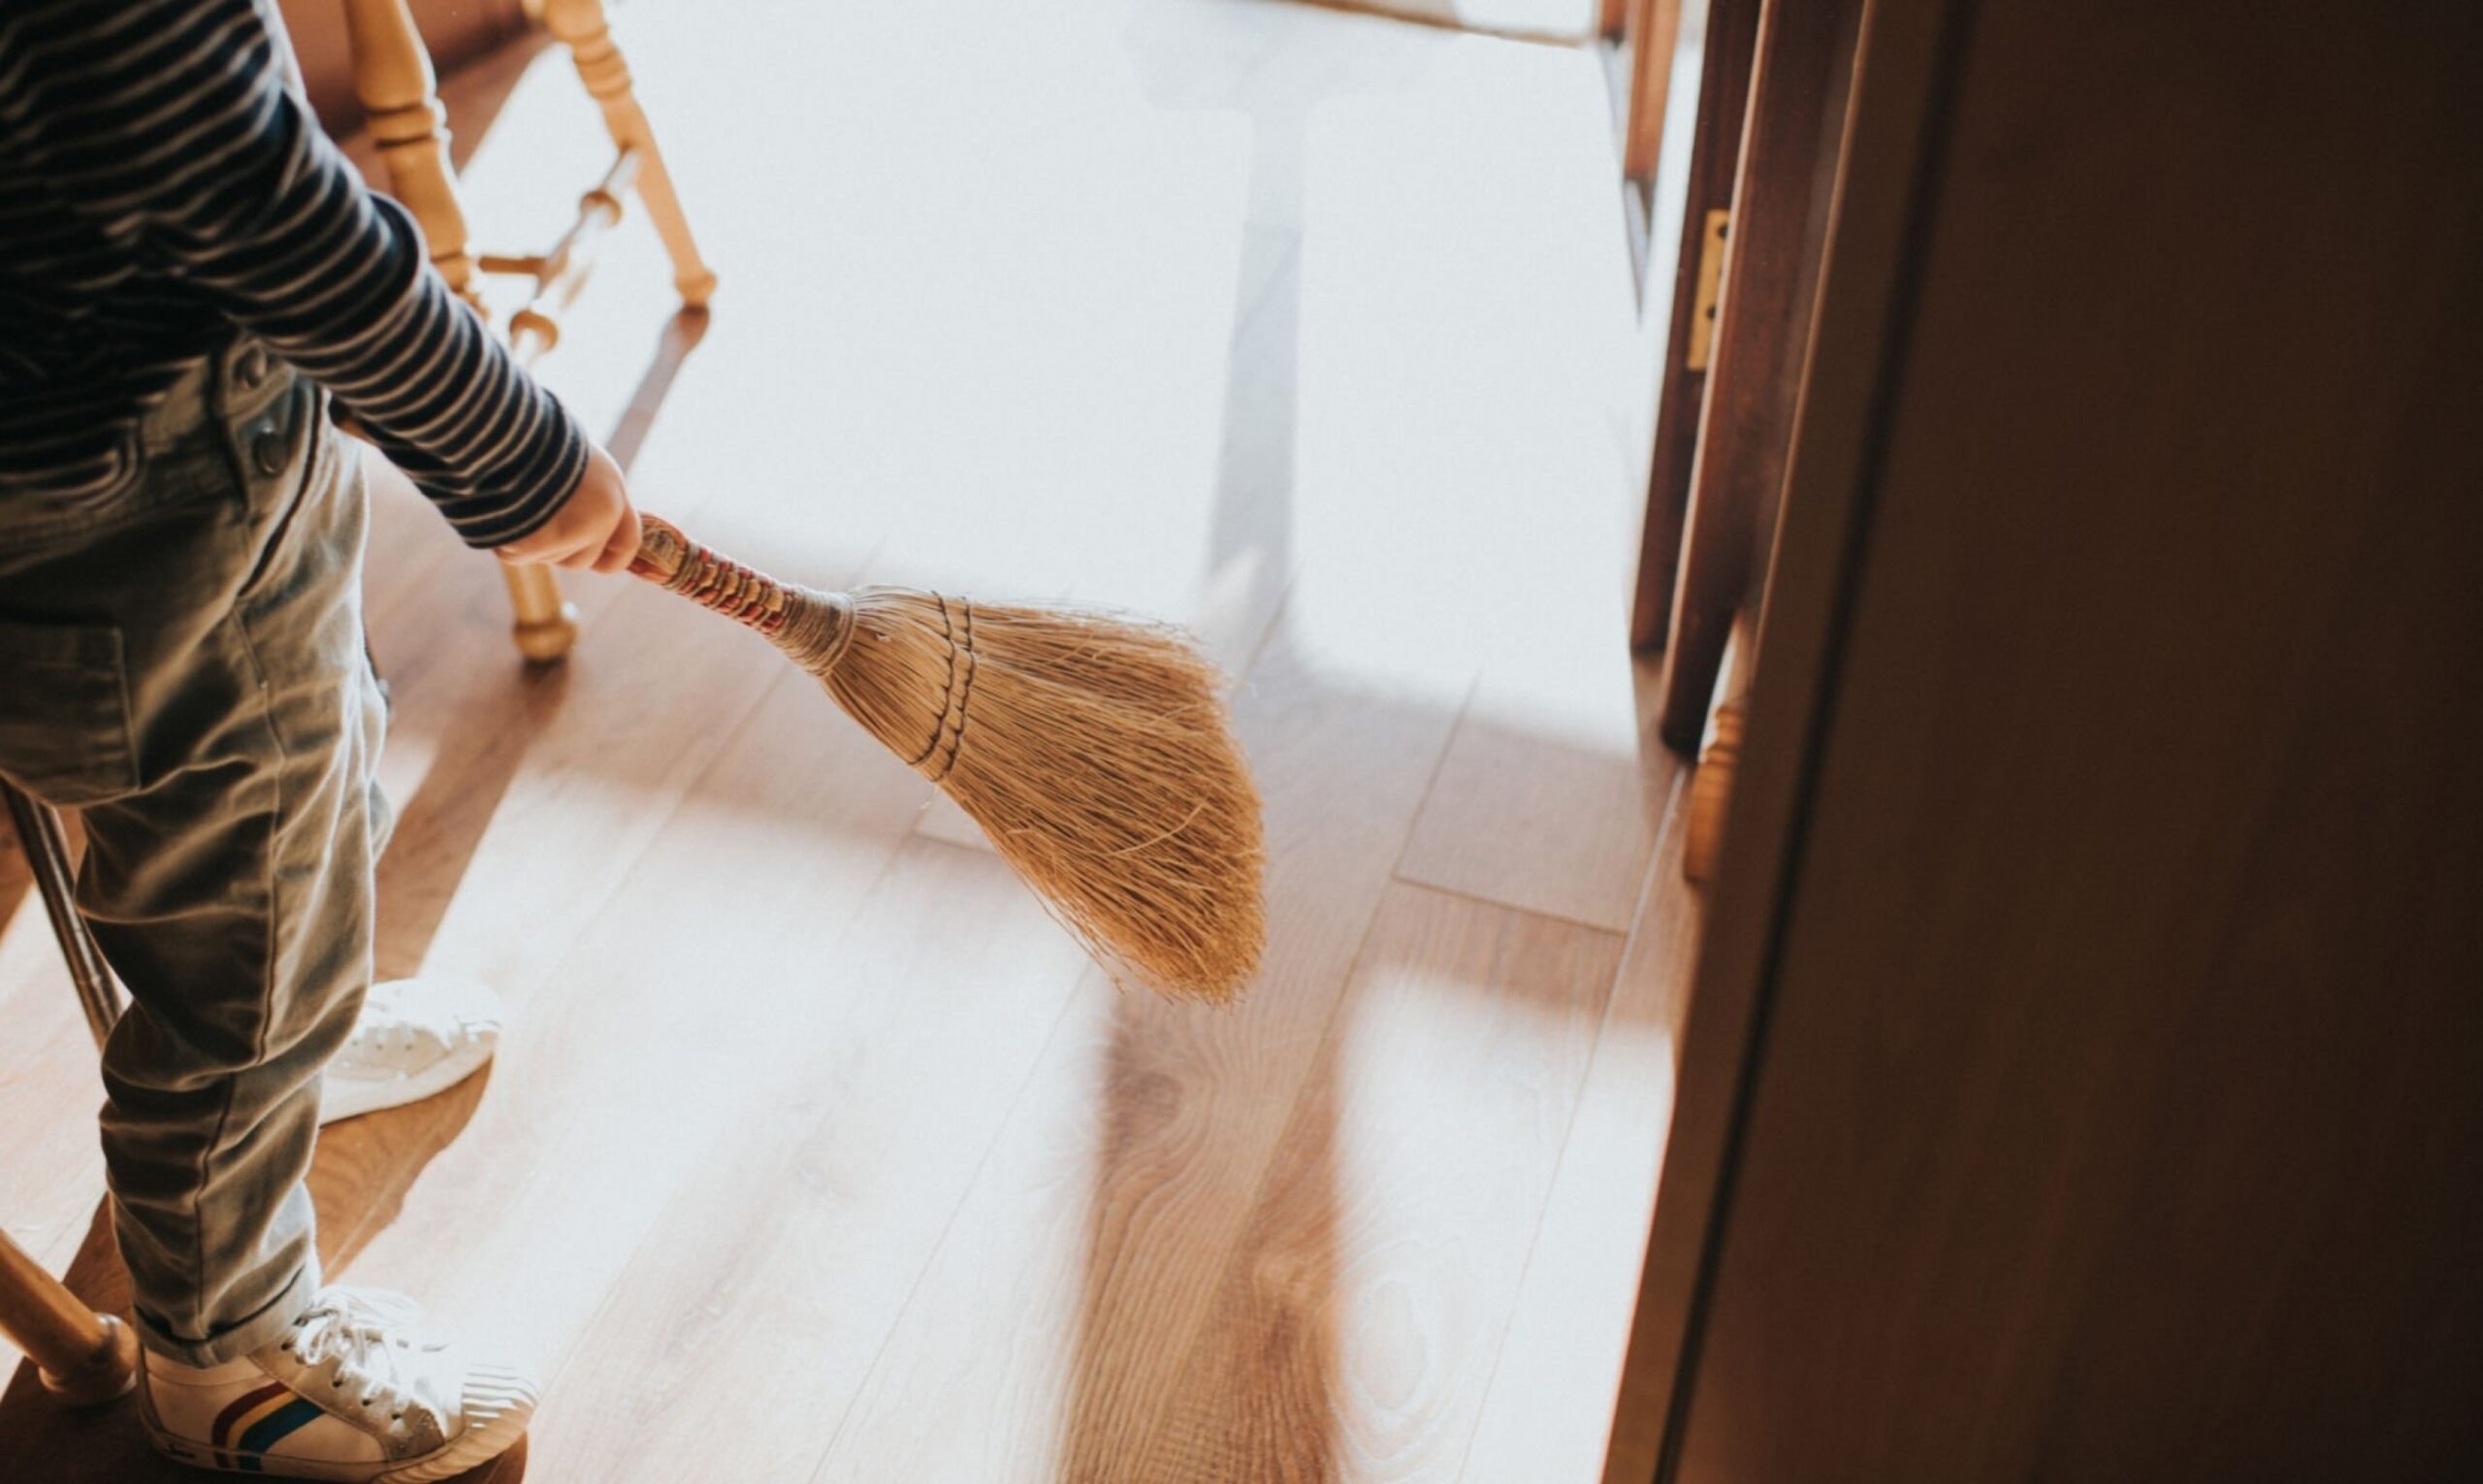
x: 80, y: 1356
x: 1711, y: 793
x: 392, y: 76
x: 581, y: 26
x: 1711, y: 787
x: 545, y: 625
x: 393, y: 79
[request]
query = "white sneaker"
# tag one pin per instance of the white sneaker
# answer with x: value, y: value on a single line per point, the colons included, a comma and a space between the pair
x: 350, y: 1393
x: 416, y: 1036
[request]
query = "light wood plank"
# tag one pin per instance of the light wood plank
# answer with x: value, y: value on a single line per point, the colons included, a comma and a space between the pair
x: 54, y: 1165
x: 48, y: 1082
x: 1561, y: 823
x: 1521, y: 453
x: 947, y: 991
x: 1551, y: 1401
x: 668, y: 1019
x: 1357, y: 1323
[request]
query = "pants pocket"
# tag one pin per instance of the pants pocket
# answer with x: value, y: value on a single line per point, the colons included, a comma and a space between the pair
x: 64, y: 711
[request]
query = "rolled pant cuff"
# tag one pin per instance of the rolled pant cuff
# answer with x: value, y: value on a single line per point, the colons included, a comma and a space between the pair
x: 255, y: 1333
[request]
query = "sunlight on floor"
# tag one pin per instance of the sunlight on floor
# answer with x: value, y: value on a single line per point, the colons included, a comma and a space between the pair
x: 1313, y: 330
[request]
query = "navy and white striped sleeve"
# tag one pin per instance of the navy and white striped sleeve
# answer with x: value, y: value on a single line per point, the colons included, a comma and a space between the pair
x: 168, y: 125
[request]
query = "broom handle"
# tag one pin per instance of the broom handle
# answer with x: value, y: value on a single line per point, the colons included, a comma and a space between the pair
x: 673, y: 562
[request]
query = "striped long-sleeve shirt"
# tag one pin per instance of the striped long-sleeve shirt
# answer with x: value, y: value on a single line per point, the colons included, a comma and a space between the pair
x: 160, y: 187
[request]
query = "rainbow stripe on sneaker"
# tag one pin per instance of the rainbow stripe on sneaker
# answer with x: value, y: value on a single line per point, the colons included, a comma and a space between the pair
x: 256, y: 1422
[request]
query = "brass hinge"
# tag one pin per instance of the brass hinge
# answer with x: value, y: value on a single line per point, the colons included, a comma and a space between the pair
x: 1705, y: 305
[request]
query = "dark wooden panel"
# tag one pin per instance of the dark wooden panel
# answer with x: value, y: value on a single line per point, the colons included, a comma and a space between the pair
x: 1805, y: 56
x: 2118, y: 1068
x: 1715, y: 150
x: 1810, y: 573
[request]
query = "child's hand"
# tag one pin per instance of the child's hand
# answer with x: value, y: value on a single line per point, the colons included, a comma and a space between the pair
x: 595, y: 528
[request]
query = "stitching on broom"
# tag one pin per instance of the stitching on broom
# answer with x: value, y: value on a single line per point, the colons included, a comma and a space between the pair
x: 840, y: 638
x: 948, y: 688
x: 965, y: 689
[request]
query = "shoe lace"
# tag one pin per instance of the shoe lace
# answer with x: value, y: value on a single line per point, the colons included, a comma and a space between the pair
x: 368, y: 1336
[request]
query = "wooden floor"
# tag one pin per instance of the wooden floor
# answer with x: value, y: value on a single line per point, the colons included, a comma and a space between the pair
x: 814, y: 1152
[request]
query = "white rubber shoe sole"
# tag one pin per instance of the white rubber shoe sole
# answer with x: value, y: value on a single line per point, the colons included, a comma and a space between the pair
x: 417, y: 1037
x: 497, y: 1405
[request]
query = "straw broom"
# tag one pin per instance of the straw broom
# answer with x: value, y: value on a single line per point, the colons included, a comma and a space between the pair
x: 1094, y: 751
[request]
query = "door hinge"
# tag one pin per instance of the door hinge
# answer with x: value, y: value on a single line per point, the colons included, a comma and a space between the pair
x: 1706, y: 301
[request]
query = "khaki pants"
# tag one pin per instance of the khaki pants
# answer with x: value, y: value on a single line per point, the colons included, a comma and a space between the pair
x: 186, y: 666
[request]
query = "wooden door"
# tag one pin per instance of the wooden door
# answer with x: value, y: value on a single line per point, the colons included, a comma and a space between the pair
x: 2084, y: 1063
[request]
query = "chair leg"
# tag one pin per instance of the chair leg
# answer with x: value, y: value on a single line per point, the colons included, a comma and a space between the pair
x: 547, y: 624
x: 82, y: 1357
x: 392, y: 74
x: 47, y: 847
x: 581, y: 26
x: 392, y: 77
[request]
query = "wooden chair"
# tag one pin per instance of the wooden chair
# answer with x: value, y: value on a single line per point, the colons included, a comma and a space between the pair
x: 81, y: 1356
x: 393, y: 79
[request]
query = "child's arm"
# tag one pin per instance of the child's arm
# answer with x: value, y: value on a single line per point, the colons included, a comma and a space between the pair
x: 168, y: 126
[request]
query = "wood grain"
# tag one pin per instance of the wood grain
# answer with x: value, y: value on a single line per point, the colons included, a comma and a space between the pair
x: 1358, y: 1319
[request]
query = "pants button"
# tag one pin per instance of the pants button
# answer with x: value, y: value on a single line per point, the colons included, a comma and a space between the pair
x: 267, y: 449
x: 253, y: 368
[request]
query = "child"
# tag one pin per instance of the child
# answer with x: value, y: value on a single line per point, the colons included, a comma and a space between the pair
x: 189, y: 273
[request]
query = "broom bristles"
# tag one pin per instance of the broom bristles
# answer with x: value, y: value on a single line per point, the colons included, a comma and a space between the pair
x: 1095, y: 752
x: 1094, y: 749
